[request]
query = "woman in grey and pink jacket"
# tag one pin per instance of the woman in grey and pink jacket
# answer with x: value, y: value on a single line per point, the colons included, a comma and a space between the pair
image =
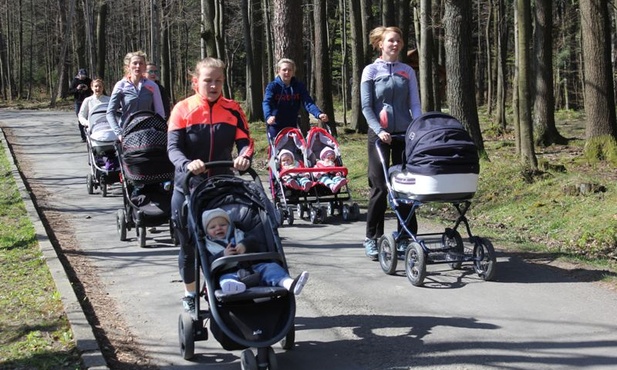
x: 390, y: 100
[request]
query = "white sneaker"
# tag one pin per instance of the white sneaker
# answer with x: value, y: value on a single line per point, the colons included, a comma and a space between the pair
x: 299, y: 282
x: 230, y: 286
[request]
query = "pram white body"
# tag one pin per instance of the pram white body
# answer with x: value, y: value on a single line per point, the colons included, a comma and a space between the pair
x: 441, y: 187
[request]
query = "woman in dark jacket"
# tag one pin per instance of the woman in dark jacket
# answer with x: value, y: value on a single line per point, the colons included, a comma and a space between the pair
x: 283, y: 97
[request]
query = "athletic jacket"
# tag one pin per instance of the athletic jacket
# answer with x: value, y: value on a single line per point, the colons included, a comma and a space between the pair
x: 283, y: 102
x: 198, y: 129
x: 132, y: 99
x: 390, y: 96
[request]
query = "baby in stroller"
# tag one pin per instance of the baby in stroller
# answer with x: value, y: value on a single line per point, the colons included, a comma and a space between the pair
x: 294, y: 180
x: 224, y: 239
x: 334, y: 180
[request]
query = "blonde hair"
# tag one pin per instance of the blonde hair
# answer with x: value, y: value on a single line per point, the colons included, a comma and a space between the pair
x: 131, y: 55
x: 377, y: 34
x: 282, y: 61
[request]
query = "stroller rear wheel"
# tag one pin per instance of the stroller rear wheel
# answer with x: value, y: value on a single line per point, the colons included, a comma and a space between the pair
x: 415, y: 264
x: 388, y: 255
x: 185, y: 335
x: 484, y: 258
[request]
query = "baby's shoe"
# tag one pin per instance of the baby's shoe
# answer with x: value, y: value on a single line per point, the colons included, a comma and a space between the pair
x: 338, y: 185
x: 230, y: 286
x: 308, y: 185
x: 299, y: 282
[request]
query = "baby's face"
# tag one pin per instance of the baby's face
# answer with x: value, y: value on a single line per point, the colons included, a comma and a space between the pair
x: 330, y: 157
x: 287, y: 160
x: 217, y: 228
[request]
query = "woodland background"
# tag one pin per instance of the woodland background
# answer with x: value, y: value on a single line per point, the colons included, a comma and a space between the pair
x: 519, y: 59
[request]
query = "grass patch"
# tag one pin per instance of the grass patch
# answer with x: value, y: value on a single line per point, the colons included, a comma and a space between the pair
x: 34, y: 332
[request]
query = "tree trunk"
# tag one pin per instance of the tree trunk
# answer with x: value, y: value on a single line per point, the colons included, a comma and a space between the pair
x: 601, y: 128
x: 208, y: 42
x: 101, y: 40
x: 254, y: 92
x: 426, y: 57
x: 357, y: 64
x: 65, y: 25
x: 502, y: 55
x: 544, y: 103
x: 527, y: 154
x: 323, y: 76
x: 459, y: 62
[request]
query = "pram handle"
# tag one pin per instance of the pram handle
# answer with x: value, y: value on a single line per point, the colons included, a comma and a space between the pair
x: 216, y: 164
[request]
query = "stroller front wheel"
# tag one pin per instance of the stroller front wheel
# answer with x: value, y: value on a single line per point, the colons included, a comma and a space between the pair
x: 415, y: 264
x: 185, y: 335
x: 121, y: 224
x: 248, y: 360
x: 388, y: 255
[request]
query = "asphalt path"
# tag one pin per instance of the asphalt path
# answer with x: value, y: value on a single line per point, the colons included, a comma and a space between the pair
x: 351, y: 315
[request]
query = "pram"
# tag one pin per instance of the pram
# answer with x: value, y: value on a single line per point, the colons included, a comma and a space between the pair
x: 102, y: 158
x: 258, y: 317
x: 286, y: 199
x: 440, y: 164
x: 317, y: 139
x: 147, y: 176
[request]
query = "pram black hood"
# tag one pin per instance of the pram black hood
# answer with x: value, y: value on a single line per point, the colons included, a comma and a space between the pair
x: 437, y: 143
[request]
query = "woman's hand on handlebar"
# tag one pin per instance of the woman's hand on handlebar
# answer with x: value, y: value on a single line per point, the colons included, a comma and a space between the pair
x: 385, y: 137
x: 196, y: 167
x: 242, y: 163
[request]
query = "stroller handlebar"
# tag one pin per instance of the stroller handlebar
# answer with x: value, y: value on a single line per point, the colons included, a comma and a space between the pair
x: 216, y: 164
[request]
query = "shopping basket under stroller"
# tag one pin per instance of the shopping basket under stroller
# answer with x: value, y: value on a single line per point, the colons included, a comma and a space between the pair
x: 440, y: 164
x: 259, y: 316
x: 147, y: 176
x: 102, y: 158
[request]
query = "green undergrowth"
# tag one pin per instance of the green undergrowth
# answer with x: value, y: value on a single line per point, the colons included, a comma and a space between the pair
x: 34, y: 331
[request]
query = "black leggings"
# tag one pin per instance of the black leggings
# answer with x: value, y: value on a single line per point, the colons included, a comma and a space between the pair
x: 378, y: 201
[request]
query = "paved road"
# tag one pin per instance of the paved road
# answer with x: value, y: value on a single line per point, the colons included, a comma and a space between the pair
x: 351, y: 315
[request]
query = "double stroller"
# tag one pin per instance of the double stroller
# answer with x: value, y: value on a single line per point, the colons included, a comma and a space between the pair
x: 322, y: 198
x: 147, y: 176
x: 440, y: 164
x: 102, y: 158
x: 258, y: 317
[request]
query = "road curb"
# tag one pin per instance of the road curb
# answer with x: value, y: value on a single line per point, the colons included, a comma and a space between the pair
x: 83, y: 335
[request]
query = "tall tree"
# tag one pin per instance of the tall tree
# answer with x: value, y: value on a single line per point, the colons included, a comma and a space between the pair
x: 357, y: 63
x: 426, y: 57
x: 251, y: 13
x: 502, y: 55
x: 459, y: 67
x: 323, y: 80
x: 527, y: 152
x: 601, y: 129
x: 544, y: 103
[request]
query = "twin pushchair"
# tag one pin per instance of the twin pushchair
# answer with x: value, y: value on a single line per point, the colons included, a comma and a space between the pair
x: 102, y: 158
x: 258, y: 317
x: 147, y: 176
x: 320, y: 199
x: 440, y: 164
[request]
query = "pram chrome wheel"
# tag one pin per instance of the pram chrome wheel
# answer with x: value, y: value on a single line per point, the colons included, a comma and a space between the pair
x: 185, y: 335
x: 415, y: 264
x: 452, y: 240
x: 388, y: 255
x: 121, y: 224
x: 90, y: 184
x: 103, y: 189
x: 318, y: 214
x: 484, y: 258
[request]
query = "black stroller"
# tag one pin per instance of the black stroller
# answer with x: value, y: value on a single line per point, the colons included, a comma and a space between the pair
x: 147, y: 176
x: 440, y: 164
x: 102, y: 158
x: 258, y: 317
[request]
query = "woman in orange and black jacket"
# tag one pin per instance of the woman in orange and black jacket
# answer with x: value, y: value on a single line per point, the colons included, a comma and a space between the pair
x: 203, y: 128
